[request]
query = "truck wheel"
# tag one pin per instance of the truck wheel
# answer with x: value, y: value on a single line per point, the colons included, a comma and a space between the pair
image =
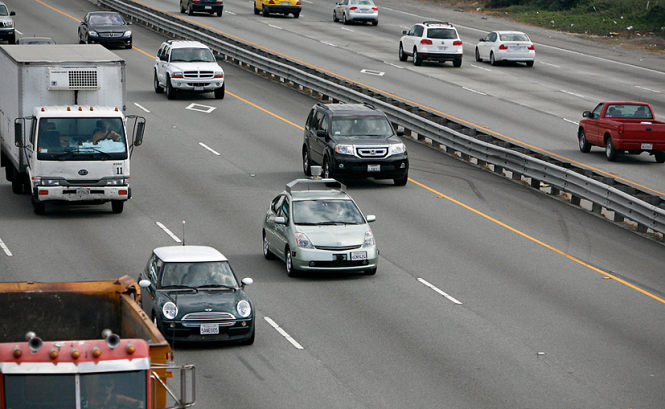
x: 660, y: 156
x: 306, y: 162
x: 610, y: 152
x: 17, y: 182
x: 585, y: 146
x: 158, y: 88
x: 117, y: 206
x: 170, y: 91
x: 219, y: 92
x: 38, y: 207
x: 401, y: 181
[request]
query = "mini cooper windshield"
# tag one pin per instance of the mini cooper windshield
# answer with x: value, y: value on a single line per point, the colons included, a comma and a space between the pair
x: 198, y: 275
x: 326, y: 212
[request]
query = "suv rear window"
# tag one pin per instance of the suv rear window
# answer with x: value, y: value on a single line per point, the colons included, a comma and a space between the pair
x: 442, y: 33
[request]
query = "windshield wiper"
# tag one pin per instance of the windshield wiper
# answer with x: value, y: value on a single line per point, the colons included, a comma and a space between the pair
x: 177, y: 286
x: 216, y: 286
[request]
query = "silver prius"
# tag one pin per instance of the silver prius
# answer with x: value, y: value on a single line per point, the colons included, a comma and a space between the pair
x: 314, y: 225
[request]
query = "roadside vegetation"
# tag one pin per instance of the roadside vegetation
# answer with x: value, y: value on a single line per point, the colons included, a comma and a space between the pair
x: 637, y: 22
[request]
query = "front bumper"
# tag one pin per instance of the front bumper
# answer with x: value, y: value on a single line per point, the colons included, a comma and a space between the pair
x: 351, y: 167
x: 105, y: 39
x: 81, y: 193
x: 236, y: 330
x: 198, y: 85
x: 330, y: 260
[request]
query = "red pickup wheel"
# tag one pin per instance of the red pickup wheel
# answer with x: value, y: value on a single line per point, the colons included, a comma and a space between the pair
x: 585, y: 146
x: 610, y: 152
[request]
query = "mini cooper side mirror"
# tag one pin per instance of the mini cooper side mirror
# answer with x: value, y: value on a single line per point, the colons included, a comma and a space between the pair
x: 144, y: 283
x: 247, y: 281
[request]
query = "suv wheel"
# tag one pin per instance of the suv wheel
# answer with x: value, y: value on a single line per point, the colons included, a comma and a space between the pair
x: 401, y: 181
x: 170, y: 91
x: 402, y: 56
x: 325, y: 172
x: 158, y: 88
x: 417, y: 59
x: 306, y: 162
x: 219, y: 92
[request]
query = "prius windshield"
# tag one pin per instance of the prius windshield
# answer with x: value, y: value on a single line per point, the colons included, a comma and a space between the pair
x: 81, y: 139
x: 326, y: 212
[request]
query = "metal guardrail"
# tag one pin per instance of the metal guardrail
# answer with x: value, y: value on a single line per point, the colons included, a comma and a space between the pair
x: 467, y: 143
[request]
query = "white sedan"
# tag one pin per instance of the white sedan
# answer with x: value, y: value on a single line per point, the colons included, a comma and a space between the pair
x: 500, y: 46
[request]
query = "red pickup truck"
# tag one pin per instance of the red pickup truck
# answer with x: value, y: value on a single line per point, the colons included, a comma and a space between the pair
x: 622, y: 127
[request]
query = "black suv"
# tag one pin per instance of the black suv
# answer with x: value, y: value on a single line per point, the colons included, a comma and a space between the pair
x: 354, y: 141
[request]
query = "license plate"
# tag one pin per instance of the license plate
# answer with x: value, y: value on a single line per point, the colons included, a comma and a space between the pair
x: 374, y: 168
x: 647, y: 146
x: 207, y: 329
x: 358, y: 255
x: 208, y: 7
x: 443, y: 47
x: 82, y: 191
x: 285, y: 3
x: 198, y: 88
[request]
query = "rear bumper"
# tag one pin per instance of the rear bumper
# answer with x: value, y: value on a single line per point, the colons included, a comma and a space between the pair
x: 439, y: 56
x: 282, y: 9
x: 208, y: 8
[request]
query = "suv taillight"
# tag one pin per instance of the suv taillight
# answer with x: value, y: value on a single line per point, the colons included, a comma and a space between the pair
x: 426, y: 41
x: 503, y: 47
x: 353, y: 8
x: 457, y: 42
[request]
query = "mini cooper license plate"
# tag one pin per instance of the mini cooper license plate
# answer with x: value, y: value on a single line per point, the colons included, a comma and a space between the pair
x: 358, y: 255
x: 82, y: 191
x: 208, y: 329
x: 647, y: 146
x: 374, y: 168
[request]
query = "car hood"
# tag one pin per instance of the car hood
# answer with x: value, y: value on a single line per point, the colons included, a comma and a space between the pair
x: 216, y: 300
x: 334, y: 236
x: 196, y: 66
x: 109, y: 28
x: 369, y: 140
x: 5, y: 18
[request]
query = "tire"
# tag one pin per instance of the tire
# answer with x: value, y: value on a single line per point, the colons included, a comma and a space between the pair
x: 266, y: 12
x: 288, y: 261
x: 370, y: 272
x: 17, y: 182
x: 190, y: 11
x: 117, y: 206
x: 306, y: 162
x: 529, y: 63
x: 660, y: 156
x: 219, y: 13
x: 375, y: 22
x: 478, y: 55
x: 250, y: 340
x: 584, y: 145
x: 344, y: 20
x: 129, y: 47
x: 335, y: 19
x: 158, y: 88
x: 610, y: 152
x: 326, y: 173
x: 256, y: 11
x: 296, y: 15
x: 170, y: 91
x: 267, y: 254
x: 401, y: 181
x: 12, y: 39
x: 402, y: 56
x: 417, y: 59
x: 457, y: 62
x: 219, y: 92
x: 38, y: 207
x: 182, y: 9
x: 492, y: 60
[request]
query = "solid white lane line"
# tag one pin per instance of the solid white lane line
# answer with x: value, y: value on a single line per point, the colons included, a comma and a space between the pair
x: 143, y: 108
x: 571, y: 121
x: 284, y: 333
x: 440, y: 292
x: 4, y: 248
x: 167, y: 231
x: 473, y: 90
x: 209, y: 148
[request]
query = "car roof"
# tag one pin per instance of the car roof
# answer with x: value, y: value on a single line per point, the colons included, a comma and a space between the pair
x: 35, y: 39
x: 349, y: 108
x: 188, y: 254
x: 102, y: 13
x: 186, y: 44
x: 509, y: 32
x: 437, y: 24
x: 320, y: 195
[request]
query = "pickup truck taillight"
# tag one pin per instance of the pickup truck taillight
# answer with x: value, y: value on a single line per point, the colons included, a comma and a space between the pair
x: 620, y: 129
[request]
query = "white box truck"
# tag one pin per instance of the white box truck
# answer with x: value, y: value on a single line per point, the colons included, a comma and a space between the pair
x: 64, y: 135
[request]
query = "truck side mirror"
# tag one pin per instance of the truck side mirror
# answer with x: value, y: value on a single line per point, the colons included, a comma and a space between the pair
x: 586, y: 114
x: 18, y: 134
x: 140, y: 129
x: 164, y: 57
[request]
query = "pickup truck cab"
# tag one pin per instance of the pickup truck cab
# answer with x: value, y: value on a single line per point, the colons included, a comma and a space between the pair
x: 622, y: 127
x: 187, y: 66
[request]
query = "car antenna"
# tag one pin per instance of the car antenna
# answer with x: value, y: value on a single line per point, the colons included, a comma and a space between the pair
x: 183, y: 232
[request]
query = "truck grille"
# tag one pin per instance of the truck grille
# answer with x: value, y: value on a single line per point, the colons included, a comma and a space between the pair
x: 199, y: 74
x: 372, y: 151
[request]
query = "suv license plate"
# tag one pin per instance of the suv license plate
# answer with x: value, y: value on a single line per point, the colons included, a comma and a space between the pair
x: 198, y: 88
x: 374, y: 168
x: 358, y: 255
x: 647, y: 146
x: 82, y: 191
x: 207, y: 329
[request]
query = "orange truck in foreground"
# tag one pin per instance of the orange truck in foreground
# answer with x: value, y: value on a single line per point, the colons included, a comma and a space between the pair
x: 85, y: 345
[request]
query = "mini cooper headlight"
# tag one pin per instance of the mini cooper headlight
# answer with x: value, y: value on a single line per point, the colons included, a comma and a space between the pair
x: 244, y: 309
x: 303, y: 241
x: 344, y: 149
x: 170, y: 310
x: 369, y: 239
x: 396, y: 149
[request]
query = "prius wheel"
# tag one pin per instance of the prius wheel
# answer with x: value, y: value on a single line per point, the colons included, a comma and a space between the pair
x: 288, y: 260
x: 267, y: 254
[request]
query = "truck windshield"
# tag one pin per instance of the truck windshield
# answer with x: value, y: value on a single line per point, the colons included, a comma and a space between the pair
x: 377, y: 127
x: 59, y: 391
x: 81, y: 139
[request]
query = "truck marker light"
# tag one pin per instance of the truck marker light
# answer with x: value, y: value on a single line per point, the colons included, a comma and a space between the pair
x: 43, y: 192
x: 130, y: 349
x: 42, y: 109
x: 17, y: 352
x: 76, y: 354
x: 96, y: 352
x: 122, y: 192
x: 53, y: 353
x: 91, y: 109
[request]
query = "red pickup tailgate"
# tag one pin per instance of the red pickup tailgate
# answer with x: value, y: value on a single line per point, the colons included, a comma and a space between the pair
x: 637, y: 133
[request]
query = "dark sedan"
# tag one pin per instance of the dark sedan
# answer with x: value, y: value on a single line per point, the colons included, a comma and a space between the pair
x: 192, y: 294
x: 105, y: 27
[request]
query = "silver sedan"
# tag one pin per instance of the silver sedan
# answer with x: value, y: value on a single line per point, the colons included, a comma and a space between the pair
x: 356, y: 11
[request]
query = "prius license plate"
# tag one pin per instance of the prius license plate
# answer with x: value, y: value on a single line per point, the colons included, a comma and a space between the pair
x: 647, y: 146
x: 82, y: 191
x: 358, y: 255
x: 374, y: 168
x: 208, y: 329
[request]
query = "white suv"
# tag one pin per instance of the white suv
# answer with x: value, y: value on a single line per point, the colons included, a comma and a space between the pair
x: 433, y: 41
x: 187, y: 66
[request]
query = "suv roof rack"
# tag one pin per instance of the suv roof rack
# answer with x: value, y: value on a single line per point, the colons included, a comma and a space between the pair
x: 300, y: 185
x: 444, y: 23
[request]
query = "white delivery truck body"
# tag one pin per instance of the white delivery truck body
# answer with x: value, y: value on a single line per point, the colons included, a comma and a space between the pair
x: 63, y: 130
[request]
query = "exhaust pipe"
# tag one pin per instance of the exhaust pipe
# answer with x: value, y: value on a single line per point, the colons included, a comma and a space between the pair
x: 34, y: 342
x: 112, y: 340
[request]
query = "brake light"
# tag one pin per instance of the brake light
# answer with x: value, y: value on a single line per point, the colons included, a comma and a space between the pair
x: 426, y: 41
x: 532, y: 47
x: 503, y: 47
x: 375, y: 9
x: 298, y: 3
x: 620, y: 129
x: 271, y: 2
x: 196, y: 1
x: 354, y: 8
x: 457, y: 42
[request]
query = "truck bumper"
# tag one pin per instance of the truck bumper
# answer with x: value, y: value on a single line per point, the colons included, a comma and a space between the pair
x: 99, y: 194
x: 191, y: 85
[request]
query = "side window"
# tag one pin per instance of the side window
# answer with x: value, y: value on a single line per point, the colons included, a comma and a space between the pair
x: 310, y: 119
x: 317, y: 121
x: 276, y: 203
x: 167, y: 53
x: 152, y: 268
x: 418, y: 31
x: 596, y: 112
x: 325, y: 123
x: 286, y: 210
x: 492, y: 37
